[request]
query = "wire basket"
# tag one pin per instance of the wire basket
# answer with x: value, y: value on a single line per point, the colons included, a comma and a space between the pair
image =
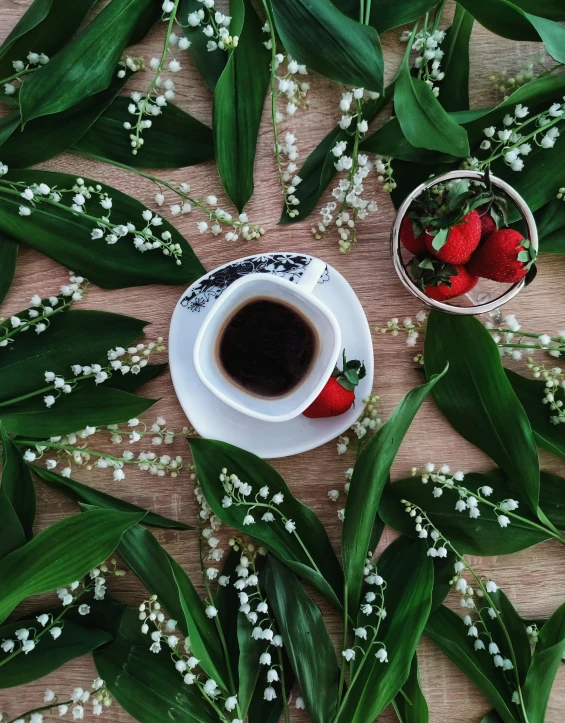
x: 482, y: 298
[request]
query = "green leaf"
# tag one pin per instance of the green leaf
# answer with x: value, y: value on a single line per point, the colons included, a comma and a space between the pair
x: 44, y: 28
x: 318, y: 35
x: 409, y: 577
x: 146, y: 684
x: 478, y: 400
x: 210, y: 65
x: 175, y: 139
x: 552, y: 498
x: 87, y: 405
x: 86, y: 66
x: 552, y: 9
x: 66, y: 237
x: 164, y: 577
x: 227, y: 604
x: 49, y: 654
x: 88, y: 495
x: 424, y: 122
x: 546, y: 660
x: 8, y: 261
x: 249, y: 667
x: 530, y: 392
x: 238, y: 104
x: 516, y: 630
x: 501, y: 17
x: 319, y: 169
x: 386, y: 15
x: 311, y: 555
x: 454, y: 88
x: 64, y: 552
x: 369, y: 477
x: 17, y: 484
x: 550, y: 220
x: 449, y: 633
x: 262, y: 711
x: 12, y: 536
x: 306, y: 641
x: 492, y: 717
x: 551, y: 34
x: 45, y: 138
x: 413, y: 708
x: 482, y: 536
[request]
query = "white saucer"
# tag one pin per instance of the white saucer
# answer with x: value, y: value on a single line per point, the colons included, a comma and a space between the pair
x: 213, y: 419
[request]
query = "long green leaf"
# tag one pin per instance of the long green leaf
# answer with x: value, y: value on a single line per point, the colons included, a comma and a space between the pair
x: 44, y: 28
x: 516, y: 630
x: 175, y: 139
x: 478, y: 400
x: 424, y: 122
x: 12, y: 535
x: 249, y: 667
x: 86, y: 66
x: 66, y: 237
x: 164, y: 577
x: 317, y: 34
x: 552, y: 498
x: 238, y: 105
x: 306, y: 641
x: 412, y: 707
x: 210, y: 65
x: 226, y: 602
x: 17, y: 484
x: 88, y: 495
x: 454, y: 88
x: 369, y: 478
x: 449, y: 633
x: 146, y: 684
x: 49, y: 654
x: 47, y: 137
x: 550, y: 220
x: 385, y: 15
x: 307, y: 551
x: 62, y: 553
x: 530, y: 392
x: 408, y: 572
x: 8, y: 261
x: 482, y: 536
x: 89, y: 405
x: 546, y: 660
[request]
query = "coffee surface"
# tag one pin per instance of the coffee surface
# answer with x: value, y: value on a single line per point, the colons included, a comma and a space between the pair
x: 267, y: 347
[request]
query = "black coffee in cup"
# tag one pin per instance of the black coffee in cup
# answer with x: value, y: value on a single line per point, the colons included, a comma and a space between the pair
x: 267, y: 347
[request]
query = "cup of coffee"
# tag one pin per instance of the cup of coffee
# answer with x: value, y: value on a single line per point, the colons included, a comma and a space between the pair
x: 268, y: 346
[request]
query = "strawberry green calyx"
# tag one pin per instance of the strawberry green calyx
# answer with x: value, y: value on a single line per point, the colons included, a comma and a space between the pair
x: 431, y: 272
x: 529, y: 255
x: 351, y: 374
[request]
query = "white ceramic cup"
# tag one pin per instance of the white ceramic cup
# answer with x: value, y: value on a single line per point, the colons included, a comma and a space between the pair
x: 298, y: 295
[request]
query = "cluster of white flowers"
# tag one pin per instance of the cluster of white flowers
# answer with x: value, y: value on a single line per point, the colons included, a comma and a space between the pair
x: 161, y: 90
x: 349, y: 205
x: 468, y: 501
x: 238, y: 492
x: 38, y: 316
x: 144, y: 239
x: 554, y: 382
x: 290, y: 91
x: 217, y: 219
x: 71, y: 449
x: 22, y: 68
x: 26, y: 639
x: 511, y: 142
x: 98, y: 696
x: 407, y: 326
x: 256, y: 609
x: 539, y: 64
x: 372, y: 607
x: 215, y: 26
x: 369, y: 419
x: 133, y: 360
x: 428, y: 60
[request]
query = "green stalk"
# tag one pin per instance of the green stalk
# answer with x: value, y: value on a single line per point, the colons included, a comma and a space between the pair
x: 345, y: 640
x: 23, y: 716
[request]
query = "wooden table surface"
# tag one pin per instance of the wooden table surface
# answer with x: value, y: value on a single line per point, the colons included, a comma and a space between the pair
x: 533, y: 579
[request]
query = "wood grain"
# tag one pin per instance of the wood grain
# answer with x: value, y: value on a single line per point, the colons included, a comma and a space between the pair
x: 534, y: 579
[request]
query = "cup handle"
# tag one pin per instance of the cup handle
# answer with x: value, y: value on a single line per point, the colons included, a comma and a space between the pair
x: 311, y: 274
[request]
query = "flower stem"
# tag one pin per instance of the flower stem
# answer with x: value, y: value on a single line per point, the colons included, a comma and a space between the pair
x: 23, y: 716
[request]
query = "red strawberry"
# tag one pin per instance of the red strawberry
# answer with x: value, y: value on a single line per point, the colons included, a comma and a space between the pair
x: 488, y: 224
x: 459, y: 284
x: 414, y: 244
x: 505, y: 256
x: 339, y: 393
x: 462, y: 240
